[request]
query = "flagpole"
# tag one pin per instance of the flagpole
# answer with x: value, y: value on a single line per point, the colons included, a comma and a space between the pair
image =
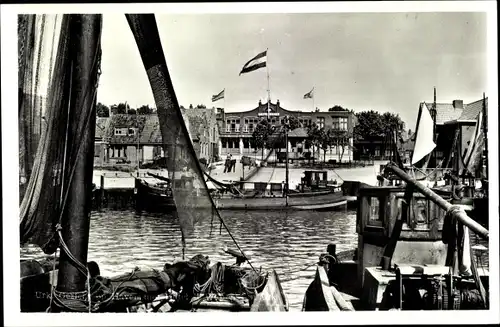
x: 313, y: 99
x: 268, y: 88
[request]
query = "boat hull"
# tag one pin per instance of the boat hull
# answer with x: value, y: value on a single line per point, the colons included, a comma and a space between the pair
x: 152, y: 199
x: 328, y: 201
x: 272, y: 298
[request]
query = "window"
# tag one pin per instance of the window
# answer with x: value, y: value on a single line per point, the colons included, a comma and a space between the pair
x: 377, y: 152
x: 246, y: 143
x: 339, y: 123
x: 343, y: 123
x: 223, y: 143
x: 439, y: 154
x: 321, y: 122
x: 131, y: 131
x: 335, y: 123
x: 375, y: 218
x: 120, y: 131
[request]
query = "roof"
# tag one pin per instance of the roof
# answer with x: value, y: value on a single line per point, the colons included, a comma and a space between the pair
x: 444, y: 112
x: 101, y: 126
x: 298, y: 132
x: 148, y: 125
x: 472, y: 110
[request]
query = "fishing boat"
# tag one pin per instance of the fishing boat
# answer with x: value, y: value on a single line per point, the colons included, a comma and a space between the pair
x: 153, y: 194
x: 315, y: 192
x: 413, y: 253
x: 55, y: 208
x: 460, y: 177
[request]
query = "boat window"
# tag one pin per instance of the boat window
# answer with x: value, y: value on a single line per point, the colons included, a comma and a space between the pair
x: 419, y: 213
x: 375, y: 218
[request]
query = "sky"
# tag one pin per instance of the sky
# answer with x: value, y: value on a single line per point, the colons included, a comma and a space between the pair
x: 362, y: 61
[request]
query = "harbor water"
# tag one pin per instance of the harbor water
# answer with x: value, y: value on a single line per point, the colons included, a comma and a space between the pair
x: 289, y: 242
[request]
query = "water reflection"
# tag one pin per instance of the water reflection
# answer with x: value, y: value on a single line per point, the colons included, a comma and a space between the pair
x: 285, y: 241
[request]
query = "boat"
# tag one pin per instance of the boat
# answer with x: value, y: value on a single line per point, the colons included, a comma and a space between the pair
x: 153, y: 195
x: 315, y: 192
x: 57, y: 219
x: 413, y: 253
x: 460, y: 177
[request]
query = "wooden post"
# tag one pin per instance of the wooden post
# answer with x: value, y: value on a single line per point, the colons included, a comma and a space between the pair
x: 85, y: 33
x: 460, y: 215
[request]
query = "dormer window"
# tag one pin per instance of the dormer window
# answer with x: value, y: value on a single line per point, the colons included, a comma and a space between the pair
x: 121, y: 131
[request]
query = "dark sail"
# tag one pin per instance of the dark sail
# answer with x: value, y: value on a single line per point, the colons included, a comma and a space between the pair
x: 190, y: 192
x: 47, y: 92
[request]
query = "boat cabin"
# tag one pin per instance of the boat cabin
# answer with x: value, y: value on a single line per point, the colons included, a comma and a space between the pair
x: 316, y: 180
x: 399, y: 242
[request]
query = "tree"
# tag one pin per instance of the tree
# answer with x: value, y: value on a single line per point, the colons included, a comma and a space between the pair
x: 369, y: 125
x: 120, y: 108
x: 338, y: 108
x: 324, y: 141
x: 260, y: 135
x: 374, y: 126
x: 314, y: 135
x: 340, y: 139
x: 131, y: 111
x: 293, y: 123
x: 102, y: 110
x: 144, y: 110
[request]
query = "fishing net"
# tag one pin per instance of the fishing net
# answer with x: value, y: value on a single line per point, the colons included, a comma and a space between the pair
x: 57, y: 98
x: 191, y: 195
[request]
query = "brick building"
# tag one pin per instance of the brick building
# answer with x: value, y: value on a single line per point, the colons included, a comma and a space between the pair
x: 236, y: 129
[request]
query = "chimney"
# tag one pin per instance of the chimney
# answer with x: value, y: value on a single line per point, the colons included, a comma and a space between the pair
x: 458, y: 104
x: 260, y: 103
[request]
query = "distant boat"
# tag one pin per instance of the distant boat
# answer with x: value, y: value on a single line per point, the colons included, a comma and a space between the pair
x: 155, y: 197
x: 314, y: 192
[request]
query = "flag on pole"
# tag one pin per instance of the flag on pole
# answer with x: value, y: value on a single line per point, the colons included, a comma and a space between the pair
x: 218, y: 96
x: 259, y: 61
x: 309, y: 94
x: 424, y: 142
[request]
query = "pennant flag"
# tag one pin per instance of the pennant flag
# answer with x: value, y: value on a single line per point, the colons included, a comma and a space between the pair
x: 424, y: 142
x: 259, y: 61
x: 218, y: 96
x: 476, y: 145
x: 309, y: 95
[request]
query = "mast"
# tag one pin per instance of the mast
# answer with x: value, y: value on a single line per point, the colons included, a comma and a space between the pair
x: 286, y: 164
x: 314, y: 108
x: 85, y: 31
x: 434, y: 114
x: 268, y: 88
x: 138, y: 140
x: 485, y: 132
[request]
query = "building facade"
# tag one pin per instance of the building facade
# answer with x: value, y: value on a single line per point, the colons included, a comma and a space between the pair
x: 204, y: 131
x: 454, y: 124
x: 134, y: 139
x: 236, y: 130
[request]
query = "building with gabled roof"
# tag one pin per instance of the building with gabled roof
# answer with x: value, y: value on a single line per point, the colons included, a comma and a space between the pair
x: 130, y: 138
x: 455, y: 122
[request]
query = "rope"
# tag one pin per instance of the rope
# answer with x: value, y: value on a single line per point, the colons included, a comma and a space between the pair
x: 214, y: 284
